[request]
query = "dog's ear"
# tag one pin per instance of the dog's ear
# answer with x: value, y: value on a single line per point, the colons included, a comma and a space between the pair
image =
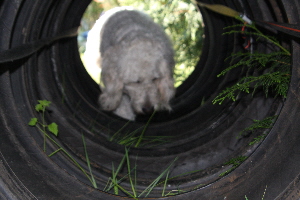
x: 111, y: 83
x: 166, y: 84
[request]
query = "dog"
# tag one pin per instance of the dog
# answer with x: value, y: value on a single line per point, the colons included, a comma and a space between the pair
x: 136, y: 60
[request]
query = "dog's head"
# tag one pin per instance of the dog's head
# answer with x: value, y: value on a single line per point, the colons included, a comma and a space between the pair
x: 141, y: 71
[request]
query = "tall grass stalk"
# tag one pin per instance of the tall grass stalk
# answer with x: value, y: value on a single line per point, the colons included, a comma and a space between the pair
x: 144, y: 130
x: 92, y: 179
x: 156, y: 181
x: 53, y: 128
x: 115, y: 183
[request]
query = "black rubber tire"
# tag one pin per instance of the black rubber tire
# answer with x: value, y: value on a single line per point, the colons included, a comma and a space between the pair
x: 205, y: 134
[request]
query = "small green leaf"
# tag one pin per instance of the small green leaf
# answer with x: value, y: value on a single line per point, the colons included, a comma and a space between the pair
x: 45, y: 103
x: 53, y: 128
x: 39, y: 107
x: 42, y: 105
x: 33, y: 122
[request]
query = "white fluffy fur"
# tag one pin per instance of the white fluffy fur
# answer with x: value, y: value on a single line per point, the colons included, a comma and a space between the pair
x: 136, y: 58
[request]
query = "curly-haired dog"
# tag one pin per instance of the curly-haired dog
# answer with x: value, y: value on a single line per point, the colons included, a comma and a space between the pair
x: 137, y: 61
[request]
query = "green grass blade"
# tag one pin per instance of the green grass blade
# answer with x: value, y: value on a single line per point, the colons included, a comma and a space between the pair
x: 129, y: 173
x: 54, y: 152
x: 88, y: 163
x: 144, y: 130
x: 118, y: 132
x: 155, y: 182
x: 165, y: 184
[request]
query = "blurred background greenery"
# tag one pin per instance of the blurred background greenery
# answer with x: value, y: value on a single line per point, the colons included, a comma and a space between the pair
x: 180, y: 19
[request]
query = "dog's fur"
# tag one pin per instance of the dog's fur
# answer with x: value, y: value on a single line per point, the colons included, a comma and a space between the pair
x: 137, y: 62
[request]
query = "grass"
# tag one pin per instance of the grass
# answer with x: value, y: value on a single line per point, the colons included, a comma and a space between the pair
x: 137, y: 138
x: 52, y: 128
x: 115, y: 183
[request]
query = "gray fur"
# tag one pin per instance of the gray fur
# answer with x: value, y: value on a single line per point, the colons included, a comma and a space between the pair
x: 137, y: 61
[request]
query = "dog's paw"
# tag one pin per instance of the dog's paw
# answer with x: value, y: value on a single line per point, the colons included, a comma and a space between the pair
x: 163, y: 106
x: 108, y: 102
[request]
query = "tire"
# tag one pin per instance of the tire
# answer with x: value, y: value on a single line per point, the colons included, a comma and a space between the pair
x: 205, y: 134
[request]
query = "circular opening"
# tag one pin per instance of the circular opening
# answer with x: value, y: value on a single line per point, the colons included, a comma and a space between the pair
x: 181, y: 21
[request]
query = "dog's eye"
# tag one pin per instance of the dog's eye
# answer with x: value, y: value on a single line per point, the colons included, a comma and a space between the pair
x: 154, y: 79
x: 134, y: 82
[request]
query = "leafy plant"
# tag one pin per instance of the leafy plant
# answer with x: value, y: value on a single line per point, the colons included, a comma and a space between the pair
x: 42, y: 126
x: 53, y: 129
x: 270, y: 71
x: 258, y: 139
x: 265, y: 123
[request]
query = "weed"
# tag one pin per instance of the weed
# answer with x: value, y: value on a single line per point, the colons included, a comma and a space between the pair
x: 53, y: 128
x: 137, y: 138
x: 115, y: 183
x: 272, y: 70
x: 258, y: 139
x: 257, y: 125
x: 265, y: 123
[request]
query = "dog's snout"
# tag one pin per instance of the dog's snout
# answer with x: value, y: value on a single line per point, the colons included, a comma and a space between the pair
x: 148, y: 109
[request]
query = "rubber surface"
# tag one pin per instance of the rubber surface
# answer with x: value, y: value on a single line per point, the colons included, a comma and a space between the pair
x: 205, y: 133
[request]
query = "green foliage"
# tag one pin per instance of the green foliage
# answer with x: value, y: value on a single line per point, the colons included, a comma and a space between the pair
x: 259, y: 124
x: 33, y: 122
x: 137, y: 138
x: 179, y: 18
x: 258, y: 139
x: 42, y: 105
x: 53, y: 128
x: 235, y: 162
x: 182, y: 22
x: 114, y: 183
x: 265, y: 123
x: 270, y: 71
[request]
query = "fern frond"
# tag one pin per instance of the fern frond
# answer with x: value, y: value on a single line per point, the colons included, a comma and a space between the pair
x: 265, y: 123
x: 257, y: 60
x: 271, y: 70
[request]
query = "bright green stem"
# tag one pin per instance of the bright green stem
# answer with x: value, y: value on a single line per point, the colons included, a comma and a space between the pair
x: 93, y: 181
x: 67, y: 154
x: 129, y: 172
x: 144, y: 130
